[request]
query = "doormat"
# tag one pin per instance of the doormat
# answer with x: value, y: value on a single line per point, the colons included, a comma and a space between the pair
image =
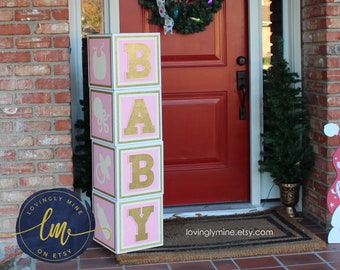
x: 205, y: 238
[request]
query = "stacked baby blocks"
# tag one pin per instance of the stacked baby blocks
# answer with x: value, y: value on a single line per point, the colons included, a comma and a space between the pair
x: 127, y: 146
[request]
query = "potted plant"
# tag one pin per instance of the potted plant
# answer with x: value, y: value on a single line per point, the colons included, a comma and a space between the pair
x: 287, y: 153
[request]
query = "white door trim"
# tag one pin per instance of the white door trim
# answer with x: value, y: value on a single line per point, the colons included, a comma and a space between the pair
x: 255, y: 96
x: 292, y: 33
x: 114, y: 20
x: 76, y: 71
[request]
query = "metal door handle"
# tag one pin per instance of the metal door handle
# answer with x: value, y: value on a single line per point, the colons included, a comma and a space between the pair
x: 241, y: 80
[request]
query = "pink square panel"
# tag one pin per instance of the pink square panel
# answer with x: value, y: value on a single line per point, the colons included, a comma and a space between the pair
x: 137, y: 60
x: 104, y: 213
x: 139, y: 116
x: 141, y: 170
x: 103, y: 159
x: 141, y: 224
x: 101, y: 104
x: 99, y: 58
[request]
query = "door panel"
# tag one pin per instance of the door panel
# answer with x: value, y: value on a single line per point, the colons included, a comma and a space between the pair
x: 202, y: 148
x: 206, y: 145
x: 174, y: 54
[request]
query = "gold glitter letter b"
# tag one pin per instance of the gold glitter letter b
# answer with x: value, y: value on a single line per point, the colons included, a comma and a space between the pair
x: 139, y: 65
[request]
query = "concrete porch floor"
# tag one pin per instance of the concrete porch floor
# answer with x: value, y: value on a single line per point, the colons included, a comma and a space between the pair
x: 98, y: 258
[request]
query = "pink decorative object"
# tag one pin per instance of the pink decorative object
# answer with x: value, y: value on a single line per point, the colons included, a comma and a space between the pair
x: 101, y: 115
x: 104, y: 213
x: 139, y: 116
x: 128, y: 225
x: 333, y: 196
x: 99, y: 53
x: 133, y: 215
x: 127, y: 146
x: 103, y: 159
x: 141, y: 169
x: 138, y: 59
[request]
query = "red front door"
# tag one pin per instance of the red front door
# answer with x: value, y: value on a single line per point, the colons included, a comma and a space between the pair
x: 206, y: 145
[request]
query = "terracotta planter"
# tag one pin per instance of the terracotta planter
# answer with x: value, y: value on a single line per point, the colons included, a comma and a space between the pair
x: 289, y: 195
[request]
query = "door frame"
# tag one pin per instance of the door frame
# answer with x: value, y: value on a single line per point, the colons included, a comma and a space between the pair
x: 291, y: 27
x: 255, y: 96
x: 260, y: 183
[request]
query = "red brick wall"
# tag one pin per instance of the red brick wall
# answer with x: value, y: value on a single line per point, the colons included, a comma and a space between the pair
x: 321, y: 81
x: 35, y: 125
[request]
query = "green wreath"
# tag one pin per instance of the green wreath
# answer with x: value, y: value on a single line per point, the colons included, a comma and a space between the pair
x: 190, y: 16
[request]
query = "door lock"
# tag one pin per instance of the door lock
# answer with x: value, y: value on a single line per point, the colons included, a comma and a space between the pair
x: 241, y: 60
